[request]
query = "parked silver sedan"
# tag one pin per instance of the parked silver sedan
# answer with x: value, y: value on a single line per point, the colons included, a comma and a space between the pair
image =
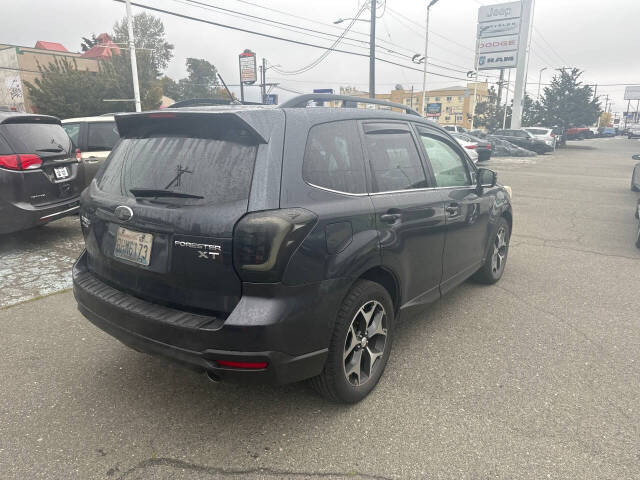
x: 544, y: 134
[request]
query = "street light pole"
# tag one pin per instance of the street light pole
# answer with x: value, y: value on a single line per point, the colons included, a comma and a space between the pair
x: 134, y: 63
x: 372, y: 51
x: 424, y: 67
x: 540, y: 81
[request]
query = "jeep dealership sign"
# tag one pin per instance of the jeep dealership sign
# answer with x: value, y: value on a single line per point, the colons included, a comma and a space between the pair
x: 498, y: 36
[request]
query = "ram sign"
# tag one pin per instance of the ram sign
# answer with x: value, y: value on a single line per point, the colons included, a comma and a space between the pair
x: 491, y: 61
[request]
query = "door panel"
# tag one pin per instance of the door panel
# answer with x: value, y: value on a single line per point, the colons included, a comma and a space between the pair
x: 409, y: 214
x: 466, y: 210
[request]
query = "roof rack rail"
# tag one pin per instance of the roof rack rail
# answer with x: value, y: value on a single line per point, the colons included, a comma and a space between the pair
x: 302, y: 101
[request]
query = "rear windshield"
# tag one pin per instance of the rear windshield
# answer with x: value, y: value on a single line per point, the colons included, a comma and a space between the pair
x: 43, y: 139
x: 219, y: 170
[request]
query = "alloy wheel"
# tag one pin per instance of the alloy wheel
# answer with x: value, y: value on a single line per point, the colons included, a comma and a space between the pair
x: 499, y: 251
x: 365, y: 343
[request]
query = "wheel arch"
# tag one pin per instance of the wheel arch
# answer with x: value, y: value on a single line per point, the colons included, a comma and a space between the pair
x: 387, y: 279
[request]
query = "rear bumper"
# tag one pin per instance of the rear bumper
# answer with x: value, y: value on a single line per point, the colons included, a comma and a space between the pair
x: 21, y: 216
x: 287, y: 327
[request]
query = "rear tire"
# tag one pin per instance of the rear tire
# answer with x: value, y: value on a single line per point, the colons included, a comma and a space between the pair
x: 493, y: 267
x: 360, y: 345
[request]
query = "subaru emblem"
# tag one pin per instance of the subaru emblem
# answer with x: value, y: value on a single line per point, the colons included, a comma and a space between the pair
x: 124, y: 213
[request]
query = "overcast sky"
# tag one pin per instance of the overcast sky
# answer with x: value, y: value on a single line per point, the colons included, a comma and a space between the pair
x: 600, y: 37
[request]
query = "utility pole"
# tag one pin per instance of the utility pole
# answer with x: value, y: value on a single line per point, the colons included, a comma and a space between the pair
x: 500, y: 82
x: 263, y: 72
x: 411, y: 101
x: 134, y: 63
x: 626, y: 114
x: 424, y: 67
x: 540, y: 82
x: 521, y: 69
x: 372, y: 51
x: 506, y: 104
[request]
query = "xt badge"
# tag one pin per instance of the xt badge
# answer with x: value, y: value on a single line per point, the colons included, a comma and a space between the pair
x: 211, y: 255
x: 204, y: 250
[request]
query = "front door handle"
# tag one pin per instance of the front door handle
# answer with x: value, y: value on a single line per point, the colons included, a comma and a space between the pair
x: 390, y: 217
x: 453, y: 209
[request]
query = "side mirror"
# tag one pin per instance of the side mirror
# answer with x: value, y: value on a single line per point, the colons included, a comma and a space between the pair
x: 636, y: 156
x: 487, y: 178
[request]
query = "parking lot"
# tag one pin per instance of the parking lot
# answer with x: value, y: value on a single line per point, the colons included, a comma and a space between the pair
x: 534, y: 377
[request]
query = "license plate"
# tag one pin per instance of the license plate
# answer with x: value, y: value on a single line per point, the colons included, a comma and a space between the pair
x: 133, y: 246
x: 61, y: 172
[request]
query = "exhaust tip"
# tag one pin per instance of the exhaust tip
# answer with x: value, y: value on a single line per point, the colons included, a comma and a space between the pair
x: 214, y: 377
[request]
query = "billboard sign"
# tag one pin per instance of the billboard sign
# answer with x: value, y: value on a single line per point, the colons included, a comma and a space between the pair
x: 248, y: 70
x: 323, y: 90
x: 507, y: 43
x: 498, y: 38
x: 434, y: 109
x: 632, y: 93
x: 500, y: 11
x: 498, y: 28
x: 272, y: 99
x: 491, y: 61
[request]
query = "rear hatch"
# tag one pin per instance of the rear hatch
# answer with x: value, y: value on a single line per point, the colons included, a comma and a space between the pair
x: 158, y: 221
x: 54, y: 174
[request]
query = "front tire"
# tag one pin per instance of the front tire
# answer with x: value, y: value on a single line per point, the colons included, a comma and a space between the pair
x: 493, y: 267
x: 360, y: 344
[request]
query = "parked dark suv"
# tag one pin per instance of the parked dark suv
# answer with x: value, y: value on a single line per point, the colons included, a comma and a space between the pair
x: 40, y: 179
x: 523, y: 139
x: 281, y: 244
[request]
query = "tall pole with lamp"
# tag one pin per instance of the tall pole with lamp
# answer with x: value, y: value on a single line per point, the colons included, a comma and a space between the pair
x: 134, y: 63
x: 372, y: 51
x: 424, y: 67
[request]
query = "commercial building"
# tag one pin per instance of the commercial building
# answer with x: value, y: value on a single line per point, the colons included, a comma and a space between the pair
x: 21, y: 64
x: 447, y: 106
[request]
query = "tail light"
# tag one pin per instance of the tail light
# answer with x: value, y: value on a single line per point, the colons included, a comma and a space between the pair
x: 244, y: 365
x: 470, y: 147
x: 20, y: 162
x: 78, y: 154
x: 263, y: 242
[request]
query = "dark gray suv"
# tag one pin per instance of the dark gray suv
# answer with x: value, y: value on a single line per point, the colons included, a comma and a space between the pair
x: 281, y: 244
x: 40, y: 179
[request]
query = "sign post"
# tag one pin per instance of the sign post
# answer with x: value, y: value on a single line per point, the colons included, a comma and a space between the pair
x: 502, y: 42
x: 248, y: 70
x: 521, y: 70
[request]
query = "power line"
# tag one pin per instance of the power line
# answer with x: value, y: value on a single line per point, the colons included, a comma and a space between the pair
x: 276, y: 37
x: 282, y: 25
x: 564, y: 62
x: 327, y: 52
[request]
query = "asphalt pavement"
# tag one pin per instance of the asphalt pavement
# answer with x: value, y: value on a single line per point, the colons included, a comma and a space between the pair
x: 536, y: 377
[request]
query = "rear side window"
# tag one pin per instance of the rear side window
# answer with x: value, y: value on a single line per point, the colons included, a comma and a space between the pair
x: 395, y: 162
x: 219, y: 170
x: 44, y: 139
x: 333, y: 158
x: 102, y: 136
x: 73, y: 130
x: 449, y: 168
x: 537, y: 131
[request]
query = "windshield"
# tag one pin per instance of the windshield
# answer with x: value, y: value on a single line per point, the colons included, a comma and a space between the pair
x: 44, y: 139
x: 219, y: 171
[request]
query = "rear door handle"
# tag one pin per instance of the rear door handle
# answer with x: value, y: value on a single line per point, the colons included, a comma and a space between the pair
x: 390, y: 217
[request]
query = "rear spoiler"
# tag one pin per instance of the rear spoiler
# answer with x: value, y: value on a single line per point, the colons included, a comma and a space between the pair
x: 140, y: 124
x: 29, y: 118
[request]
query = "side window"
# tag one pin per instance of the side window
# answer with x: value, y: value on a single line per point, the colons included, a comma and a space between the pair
x: 333, y: 158
x: 102, y: 136
x: 395, y: 161
x: 449, y: 168
x: 73, y: 130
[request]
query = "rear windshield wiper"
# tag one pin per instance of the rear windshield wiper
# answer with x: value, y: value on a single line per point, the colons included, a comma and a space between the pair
x: 158, y: 192
x: 52, y: 150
